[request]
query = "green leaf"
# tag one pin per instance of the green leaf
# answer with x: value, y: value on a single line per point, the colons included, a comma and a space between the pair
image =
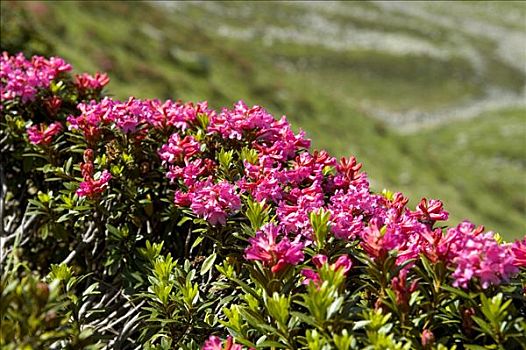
x: 478, y: 347
x: 197, y: 241
x: 208, y: 263
x: 360, y: 324
x: 270, y: 344
x: 483, y: 325
x: 334, y: 307
x: 456, y: 291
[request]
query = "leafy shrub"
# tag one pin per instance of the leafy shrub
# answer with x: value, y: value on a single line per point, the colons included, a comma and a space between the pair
x: 163, y: 224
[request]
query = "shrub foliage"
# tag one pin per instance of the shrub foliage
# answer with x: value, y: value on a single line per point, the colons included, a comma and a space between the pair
x: 164, y: 225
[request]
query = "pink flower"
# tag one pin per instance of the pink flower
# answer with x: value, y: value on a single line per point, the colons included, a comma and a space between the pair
x: 427, y: 339
x: 262, y: 180
x: 270, y: 137
x: 319, y: 260
x: 85, y: 81
x: 177, y: 149
x: 183, y: 199
x: 345, y: 226
x: 93, y: 116
x: 293, y: 212
x: 311, y: 276
x: 233, y: 123
x: 349, y: 169
x: 276, y: 255
x: 215, y: 343
x: 92, y: 188
x: 430, y: 212
x: 473, y: 255
x: 22, y: 78
x: 214, y: 202
x: 180, y: 115
x: 518, y: 250
x: 191, y: 171
x: 350, y: 206
x: 439, y: 247
x: 343, y: 263
x: 58, y: 64
x: 378, y: 240
x: 42, y: 135
x: 480, y: 256
x: 53, y: 105
x: 279, y: 141
x: 398, y: 203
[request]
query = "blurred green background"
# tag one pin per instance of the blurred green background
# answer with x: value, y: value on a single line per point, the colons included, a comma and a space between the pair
x: 430, y: 96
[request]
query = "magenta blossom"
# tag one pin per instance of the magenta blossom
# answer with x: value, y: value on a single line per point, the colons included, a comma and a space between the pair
x: 280, y: 142
x: 233, y: 123
x: 53, y: 104
x: 42, y: 135
x: 276, y: 255
x: 263, y: 180
x: 214, y: 202
x: 518, y: 249
x: 480, y: 256
x: 92, y: 188
x: 178, y: 114
x: 191, y: 171
x: 215, y: 343
x: 378, y: 240
x: 85, y: 81
x: 349, y: 207
x: 22, y: 78
x: 343, y: 263
x: 427, y: 339
x: 294, y: 211
x: 430, y: 212
x: 177, y: 149
x: 348, y: 172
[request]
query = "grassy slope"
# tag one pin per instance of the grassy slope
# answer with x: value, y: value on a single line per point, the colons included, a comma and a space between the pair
x: 476, y: 167
x: 482, y: 165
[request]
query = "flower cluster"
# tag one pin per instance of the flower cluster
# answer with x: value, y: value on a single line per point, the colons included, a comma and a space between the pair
x: 285, y: 173
x: 275, y: 254
x: 318, y: 247
x: 215, y: 343
x: 42, y: 135
x: 91, y: 187
x: 431, y: 212
x: 23, y: 78
x: 177, y: 149
x: 213, y: 202
x: 518, y: 250
x: 478, y: 254
x: 134, y: 115
x: 86, y: 81
x: 343, y: 264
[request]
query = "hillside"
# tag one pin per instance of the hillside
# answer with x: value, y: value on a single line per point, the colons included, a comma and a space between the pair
x: 432, y: 101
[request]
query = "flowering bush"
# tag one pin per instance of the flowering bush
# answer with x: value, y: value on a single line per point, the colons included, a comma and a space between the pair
x: 163, y: 224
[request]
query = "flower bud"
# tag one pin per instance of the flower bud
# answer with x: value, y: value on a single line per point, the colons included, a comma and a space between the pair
x: 88, y: 155
x: 427, y: 339
x: 145, y: 168
x: 467, y: 321
x: 51, y: 320
x: 53, y: 105
x: 86, y: 170
x: 42, y: 293
x: 319, y: 260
